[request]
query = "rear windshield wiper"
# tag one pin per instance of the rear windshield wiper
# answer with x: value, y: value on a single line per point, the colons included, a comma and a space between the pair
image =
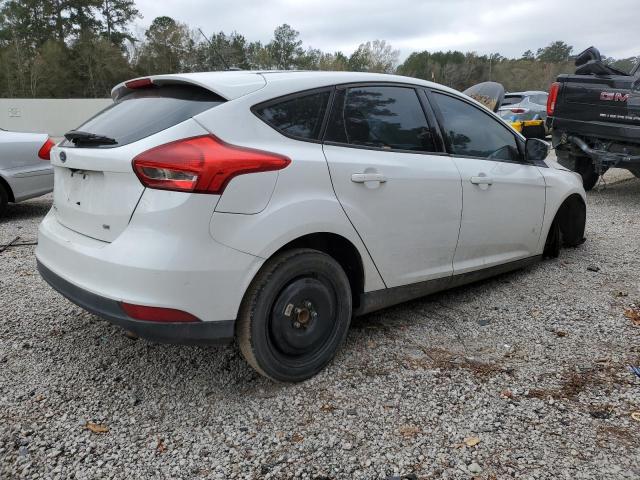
x: 86, y: 138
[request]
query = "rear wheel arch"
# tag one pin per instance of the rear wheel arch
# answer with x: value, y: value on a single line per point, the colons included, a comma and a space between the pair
x: 341, y: 250
x: 7, y: 188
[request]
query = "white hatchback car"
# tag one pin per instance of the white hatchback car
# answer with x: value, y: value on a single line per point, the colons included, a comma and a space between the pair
x: 271, y: 207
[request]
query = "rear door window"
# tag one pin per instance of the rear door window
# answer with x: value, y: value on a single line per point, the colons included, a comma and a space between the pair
x: 512, y: 99
x: 473, y: 133
x: 300, y: 116
x: 384, y: 117
x: 147, y: 111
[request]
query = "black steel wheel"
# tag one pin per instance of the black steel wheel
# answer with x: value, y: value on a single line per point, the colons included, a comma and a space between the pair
x: 295, y: 315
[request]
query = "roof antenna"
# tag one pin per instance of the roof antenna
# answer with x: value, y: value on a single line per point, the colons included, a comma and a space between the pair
x: 220, y: 57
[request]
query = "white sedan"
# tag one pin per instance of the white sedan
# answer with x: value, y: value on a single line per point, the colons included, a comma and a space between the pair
x: 271, y: 207
x: 25, y: 171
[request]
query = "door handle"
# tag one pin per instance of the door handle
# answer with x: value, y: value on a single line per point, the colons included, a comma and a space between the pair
x: 368, y: 177
x: 481, y: 180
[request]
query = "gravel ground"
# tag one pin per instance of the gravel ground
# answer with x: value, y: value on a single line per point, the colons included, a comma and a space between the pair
x: 523, y: 376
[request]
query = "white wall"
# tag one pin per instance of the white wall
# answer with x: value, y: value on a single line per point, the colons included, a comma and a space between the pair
x: 48, y: 115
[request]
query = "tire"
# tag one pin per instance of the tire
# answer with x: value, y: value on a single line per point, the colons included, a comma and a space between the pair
x: 554, y: 241
x: 294, y: 315
x: 4, y: 199
x: 587, y: 170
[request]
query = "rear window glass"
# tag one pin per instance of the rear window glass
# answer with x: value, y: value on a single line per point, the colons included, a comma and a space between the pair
x: 512, y: 99
x: 301, y: 116
x: 147, y: 111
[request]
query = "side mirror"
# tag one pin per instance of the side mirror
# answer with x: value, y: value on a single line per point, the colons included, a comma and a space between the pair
x: 535, y: 150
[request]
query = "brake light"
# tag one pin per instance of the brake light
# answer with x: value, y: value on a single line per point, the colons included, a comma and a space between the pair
x: 138, y: 83
x: 518, y: 110
x: 203, y: 164
x: 157, y: 314
x: 45, y: 150
x: 553, y: 97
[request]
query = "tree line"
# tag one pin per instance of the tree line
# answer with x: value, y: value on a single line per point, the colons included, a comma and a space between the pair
x: 82, y: 48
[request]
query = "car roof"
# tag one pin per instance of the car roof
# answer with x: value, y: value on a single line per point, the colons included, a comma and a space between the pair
x: 234, y: 84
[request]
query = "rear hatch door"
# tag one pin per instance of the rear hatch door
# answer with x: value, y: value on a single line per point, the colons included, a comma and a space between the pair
x: 96, y: 190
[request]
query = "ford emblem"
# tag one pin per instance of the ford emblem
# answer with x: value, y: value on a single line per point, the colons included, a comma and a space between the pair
x: 63, y: 157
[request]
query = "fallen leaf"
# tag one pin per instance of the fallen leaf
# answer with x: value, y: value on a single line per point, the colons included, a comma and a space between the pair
x: 296, y: 438
x: 636, y: 416
x: 560, y: 333
x: 39, y: 397
x: 161, y: 447
x: 506, y: 394
x: 633, y: 314
x: 535, y: 312
x: 409, y: 431
x: 96, y: 427
x: 471, y: 441
x: 279, y: 434
x: 327, y: 407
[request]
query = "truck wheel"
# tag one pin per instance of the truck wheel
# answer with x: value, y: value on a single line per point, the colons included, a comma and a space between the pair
x: 295, y: 315
x: 4, y: 198
x: 586, y: 169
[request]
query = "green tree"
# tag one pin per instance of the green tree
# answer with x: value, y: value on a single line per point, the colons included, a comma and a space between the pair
x: 376, y: 56
x: 555, y: 52
x: 286, y: 48
x: 118, y: 15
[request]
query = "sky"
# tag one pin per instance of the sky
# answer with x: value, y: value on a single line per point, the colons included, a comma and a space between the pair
x: 508, y: 27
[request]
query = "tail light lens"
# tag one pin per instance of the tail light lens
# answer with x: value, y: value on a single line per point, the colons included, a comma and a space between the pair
x: 202, y: 164
x: 45, y: 150
x: 138, y: 83
x: 157, y: 314
x: 553, y: 97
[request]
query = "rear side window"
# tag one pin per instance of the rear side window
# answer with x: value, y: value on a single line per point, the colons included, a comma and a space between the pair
x: 380, y: 116
x: 146, y: 111
x: 301, y: 116
x: 473, y: 133
x: 539, y: 99
x: 512, y: 99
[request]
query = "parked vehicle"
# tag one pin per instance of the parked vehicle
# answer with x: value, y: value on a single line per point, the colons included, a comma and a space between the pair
x: 526, y: 112
x: 25, y: 171
x: 270, y: 207
x: 595, y: 117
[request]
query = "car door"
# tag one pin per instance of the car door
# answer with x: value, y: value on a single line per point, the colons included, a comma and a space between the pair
x: 399, y: 190
x: 503, y: 196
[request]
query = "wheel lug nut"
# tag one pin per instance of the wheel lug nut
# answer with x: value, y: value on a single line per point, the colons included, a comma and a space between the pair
x: 307, y: 304
x: 296, y: 324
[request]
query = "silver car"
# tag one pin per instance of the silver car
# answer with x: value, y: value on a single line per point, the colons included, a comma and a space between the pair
x: 521, y: 106
x: 25, y: 171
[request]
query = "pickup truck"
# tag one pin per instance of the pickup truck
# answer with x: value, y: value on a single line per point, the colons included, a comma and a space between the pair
x: 594, y: 116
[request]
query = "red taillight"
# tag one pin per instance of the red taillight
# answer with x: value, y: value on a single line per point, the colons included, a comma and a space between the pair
x: 45, y: 150
x: 518, y: 110
x: 157, y: 314
x: 553, y: 97
x: 202, y: 164
x: 139, y: 83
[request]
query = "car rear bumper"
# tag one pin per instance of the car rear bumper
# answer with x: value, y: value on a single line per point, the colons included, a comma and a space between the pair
x: 217, y: 332
x: 164, y: 258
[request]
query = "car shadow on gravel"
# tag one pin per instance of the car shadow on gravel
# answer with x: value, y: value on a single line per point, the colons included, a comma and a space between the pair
x: 27, y: 210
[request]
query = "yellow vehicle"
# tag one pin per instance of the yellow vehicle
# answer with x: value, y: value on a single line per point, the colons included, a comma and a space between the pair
x: 530, y: 128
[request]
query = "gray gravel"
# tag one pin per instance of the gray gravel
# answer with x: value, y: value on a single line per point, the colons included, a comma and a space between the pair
x: 523, y: 376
